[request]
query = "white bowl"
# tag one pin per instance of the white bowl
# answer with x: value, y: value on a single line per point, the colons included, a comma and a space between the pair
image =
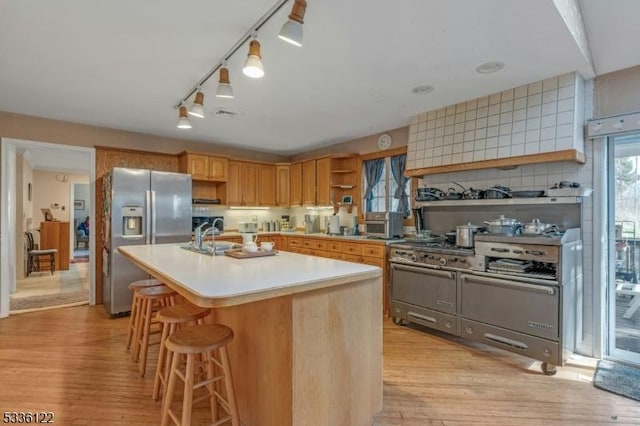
x: 266, y: 246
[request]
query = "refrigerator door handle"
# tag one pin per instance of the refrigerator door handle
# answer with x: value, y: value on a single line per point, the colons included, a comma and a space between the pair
x: 153, y: 217
x: 148, y: 217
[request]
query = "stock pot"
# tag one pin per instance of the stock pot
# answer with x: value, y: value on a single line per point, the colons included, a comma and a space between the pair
x: 504, y: 225
x: 465, y: 234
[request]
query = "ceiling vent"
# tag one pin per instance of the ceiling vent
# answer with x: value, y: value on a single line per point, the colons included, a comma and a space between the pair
x: 225, y: 113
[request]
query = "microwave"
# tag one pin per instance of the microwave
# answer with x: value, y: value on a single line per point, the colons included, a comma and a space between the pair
x: 386, y: 225
x: 199, y: 220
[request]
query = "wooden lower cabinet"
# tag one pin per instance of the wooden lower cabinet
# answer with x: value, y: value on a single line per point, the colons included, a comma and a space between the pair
x: 369, y: 253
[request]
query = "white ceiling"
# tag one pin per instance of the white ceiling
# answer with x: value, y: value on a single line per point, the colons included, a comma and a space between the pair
x: 125, y: 64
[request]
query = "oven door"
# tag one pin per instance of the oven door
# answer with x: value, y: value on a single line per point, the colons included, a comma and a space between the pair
x: 424, y: 287
x: 532, y: 309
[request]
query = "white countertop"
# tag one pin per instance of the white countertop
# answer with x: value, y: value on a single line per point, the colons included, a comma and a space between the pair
x: 216, y: 281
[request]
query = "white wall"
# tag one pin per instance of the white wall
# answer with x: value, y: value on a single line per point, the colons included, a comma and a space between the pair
x: 81, y: 193
x: 51, y: 189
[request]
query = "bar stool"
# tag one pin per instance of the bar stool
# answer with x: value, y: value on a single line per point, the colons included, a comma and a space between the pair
x: 172, y: 318
x: 151, y: 300
x: 135, y: 304
x: 211, y: 341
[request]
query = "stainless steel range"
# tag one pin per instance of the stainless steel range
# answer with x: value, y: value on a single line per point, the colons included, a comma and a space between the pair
x: 517, y: 293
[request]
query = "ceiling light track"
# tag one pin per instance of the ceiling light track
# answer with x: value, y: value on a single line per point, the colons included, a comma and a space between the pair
x: 251, y: 33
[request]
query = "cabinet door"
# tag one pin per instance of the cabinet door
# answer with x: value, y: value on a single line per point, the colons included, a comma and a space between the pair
x: 233, y: 184
x: 218, y: 169
x: 323, y: 170
x: 249, y: 173
x: 198, y: 166
x: 283, y: 178
x: 296, y: 184
x: 266, y: 185
x: 309, y: 183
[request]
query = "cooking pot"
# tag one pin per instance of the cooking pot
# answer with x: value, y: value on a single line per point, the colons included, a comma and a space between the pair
x: 429, y: 194
x: 497, y: 191
x: 504, y: 225
x: 535, y: 227
x: 450, y: 237
x: 473, y: 194
x: 465, y: 233
x: 452, y: 194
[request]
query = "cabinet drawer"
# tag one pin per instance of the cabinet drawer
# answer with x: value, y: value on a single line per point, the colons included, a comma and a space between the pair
x: 352, y: 248
x: 373, y: 250
x: 373, y: 261
x: 351, y: 258
x: 334, y: 246
x: 295, y: 242
x: 314, y: 244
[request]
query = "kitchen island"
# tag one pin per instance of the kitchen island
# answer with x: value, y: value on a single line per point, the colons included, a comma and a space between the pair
x: 308, y: 330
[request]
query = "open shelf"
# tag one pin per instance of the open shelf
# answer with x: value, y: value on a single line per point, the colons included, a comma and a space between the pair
x: 500, y: 202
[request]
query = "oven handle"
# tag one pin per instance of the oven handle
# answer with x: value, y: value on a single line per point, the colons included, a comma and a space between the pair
x: 422, y: 317
x: 504, y: 283
x: 506, y: 341
x: 442, y: 274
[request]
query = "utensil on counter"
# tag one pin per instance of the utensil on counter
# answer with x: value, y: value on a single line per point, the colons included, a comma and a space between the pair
x: 527, y: 194
x: 504, y: 225
x: 497, y: 191
x: 465, y: 234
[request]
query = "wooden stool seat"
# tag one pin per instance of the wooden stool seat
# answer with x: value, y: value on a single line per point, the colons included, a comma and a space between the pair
x: 151, y: 300
x: 135, y: 302
x: 208, y: 341
x: 171, y: 318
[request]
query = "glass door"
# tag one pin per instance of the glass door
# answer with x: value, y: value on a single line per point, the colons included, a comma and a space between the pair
x: 624, y: 249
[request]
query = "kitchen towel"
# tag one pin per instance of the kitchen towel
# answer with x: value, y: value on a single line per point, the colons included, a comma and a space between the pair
x: 618, y: 378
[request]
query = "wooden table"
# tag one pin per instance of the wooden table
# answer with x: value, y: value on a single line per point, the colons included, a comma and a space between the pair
x: 308, y: 330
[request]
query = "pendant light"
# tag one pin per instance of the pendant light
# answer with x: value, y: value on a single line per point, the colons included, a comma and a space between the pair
x: 224, y: 89
x: 291, y: 31
x: 197, y: 108
x: 183, y: 119
x: 253, y: 65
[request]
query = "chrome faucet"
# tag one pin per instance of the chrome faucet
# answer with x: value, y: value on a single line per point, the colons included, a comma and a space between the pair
x: 213, y: 233
x: 199, y: 235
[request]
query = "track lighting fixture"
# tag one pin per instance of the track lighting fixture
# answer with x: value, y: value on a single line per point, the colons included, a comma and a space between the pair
x: 291, y: 31
x: 224, y: 89
x: 253, y: 65
x: 183, y: 119
x: 197, y: 108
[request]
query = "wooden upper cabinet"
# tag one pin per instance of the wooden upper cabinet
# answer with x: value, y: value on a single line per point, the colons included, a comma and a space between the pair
x: 296, y: 184
x: 233, y: 184
x: 323, y: 178
x: 251, y: 184
x: 283, y: 185
x: 309, y: 183
x: 204, y: 167
x: 266, y: 185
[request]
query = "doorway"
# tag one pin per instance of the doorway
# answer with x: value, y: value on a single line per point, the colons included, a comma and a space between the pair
x: 624, y: 248
x: 61, y: 162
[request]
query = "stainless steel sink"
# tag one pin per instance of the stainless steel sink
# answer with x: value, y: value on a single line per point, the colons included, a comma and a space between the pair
x: 220, y: 248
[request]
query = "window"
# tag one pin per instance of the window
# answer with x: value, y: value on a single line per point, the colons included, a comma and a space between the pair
x: 383, y: 192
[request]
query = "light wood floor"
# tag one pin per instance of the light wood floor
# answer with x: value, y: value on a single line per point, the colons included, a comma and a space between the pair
x: 72, y: 361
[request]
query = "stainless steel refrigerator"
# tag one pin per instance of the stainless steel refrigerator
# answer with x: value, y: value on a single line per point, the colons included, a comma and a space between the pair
x: 140, y: 207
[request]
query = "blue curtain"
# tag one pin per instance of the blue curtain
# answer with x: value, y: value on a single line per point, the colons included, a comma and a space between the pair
x: 372, y: 172
x: 398, y: 164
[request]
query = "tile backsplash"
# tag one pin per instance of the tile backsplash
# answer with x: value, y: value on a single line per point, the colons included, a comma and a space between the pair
x: 540, y: 117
